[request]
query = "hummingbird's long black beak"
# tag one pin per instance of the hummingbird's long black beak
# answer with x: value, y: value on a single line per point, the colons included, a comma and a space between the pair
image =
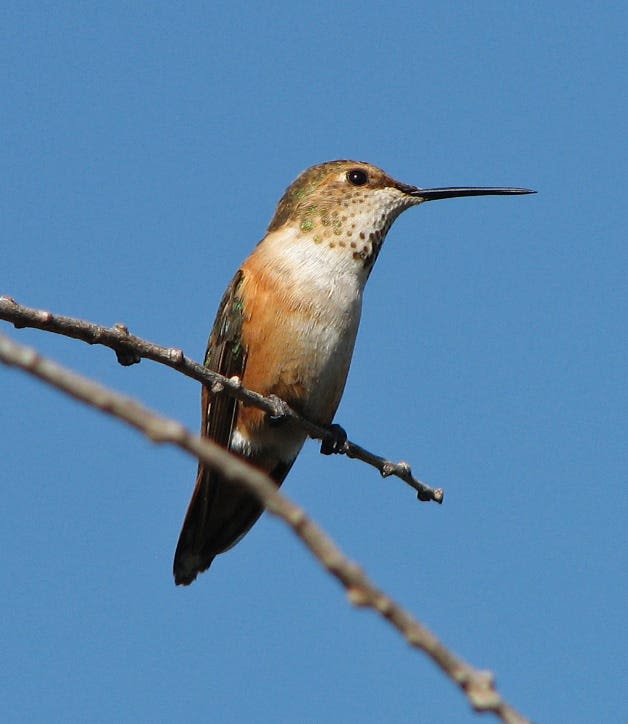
x: 453, y: 191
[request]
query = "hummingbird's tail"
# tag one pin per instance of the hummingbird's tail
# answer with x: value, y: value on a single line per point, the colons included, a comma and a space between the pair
x: 220, y: 514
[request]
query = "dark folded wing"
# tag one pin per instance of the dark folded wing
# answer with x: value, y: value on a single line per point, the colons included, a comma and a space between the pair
x: 218, y: 511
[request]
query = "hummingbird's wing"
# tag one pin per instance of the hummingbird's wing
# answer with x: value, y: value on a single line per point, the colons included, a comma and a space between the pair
x: 204, y: 528
x: 219, y: 513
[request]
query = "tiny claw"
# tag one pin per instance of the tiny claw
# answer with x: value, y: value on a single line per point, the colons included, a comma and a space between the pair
x: 335, y: 441
x: 281, y: 414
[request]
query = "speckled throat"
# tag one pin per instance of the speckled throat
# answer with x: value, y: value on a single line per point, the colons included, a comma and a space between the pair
x: 336, y: 213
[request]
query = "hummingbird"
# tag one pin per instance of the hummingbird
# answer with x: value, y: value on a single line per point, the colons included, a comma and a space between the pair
x: 286, y: 326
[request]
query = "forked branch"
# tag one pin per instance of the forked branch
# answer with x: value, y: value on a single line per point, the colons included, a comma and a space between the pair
x: 130, y: 350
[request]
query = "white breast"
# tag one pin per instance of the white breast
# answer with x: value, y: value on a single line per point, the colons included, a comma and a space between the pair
x: 327, y: 285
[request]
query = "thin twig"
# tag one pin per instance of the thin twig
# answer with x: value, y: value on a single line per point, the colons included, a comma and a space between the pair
x: 478, y: 685
x: 130, y: 349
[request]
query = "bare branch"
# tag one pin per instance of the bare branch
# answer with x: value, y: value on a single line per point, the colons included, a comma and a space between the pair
x: 478, y: 685
x: 130, y: 349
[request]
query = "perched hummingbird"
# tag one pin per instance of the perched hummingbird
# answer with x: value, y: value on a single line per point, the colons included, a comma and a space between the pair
x: 287, y: 326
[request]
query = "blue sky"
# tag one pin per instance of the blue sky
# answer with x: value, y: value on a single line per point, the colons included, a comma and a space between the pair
x: 144, y: 147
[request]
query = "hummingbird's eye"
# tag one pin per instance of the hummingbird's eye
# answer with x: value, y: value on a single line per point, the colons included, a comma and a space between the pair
x: 357, y: 177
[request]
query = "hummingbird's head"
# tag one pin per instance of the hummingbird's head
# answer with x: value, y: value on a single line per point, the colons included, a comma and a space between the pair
x: 352, y: 204
x: 345, y: 204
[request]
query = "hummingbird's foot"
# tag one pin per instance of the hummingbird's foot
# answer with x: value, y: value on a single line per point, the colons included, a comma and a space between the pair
x: 281, y: 412
x: 334, y: 443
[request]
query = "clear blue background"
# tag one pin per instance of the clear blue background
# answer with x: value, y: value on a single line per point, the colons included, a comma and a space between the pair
x: 144, y: 147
